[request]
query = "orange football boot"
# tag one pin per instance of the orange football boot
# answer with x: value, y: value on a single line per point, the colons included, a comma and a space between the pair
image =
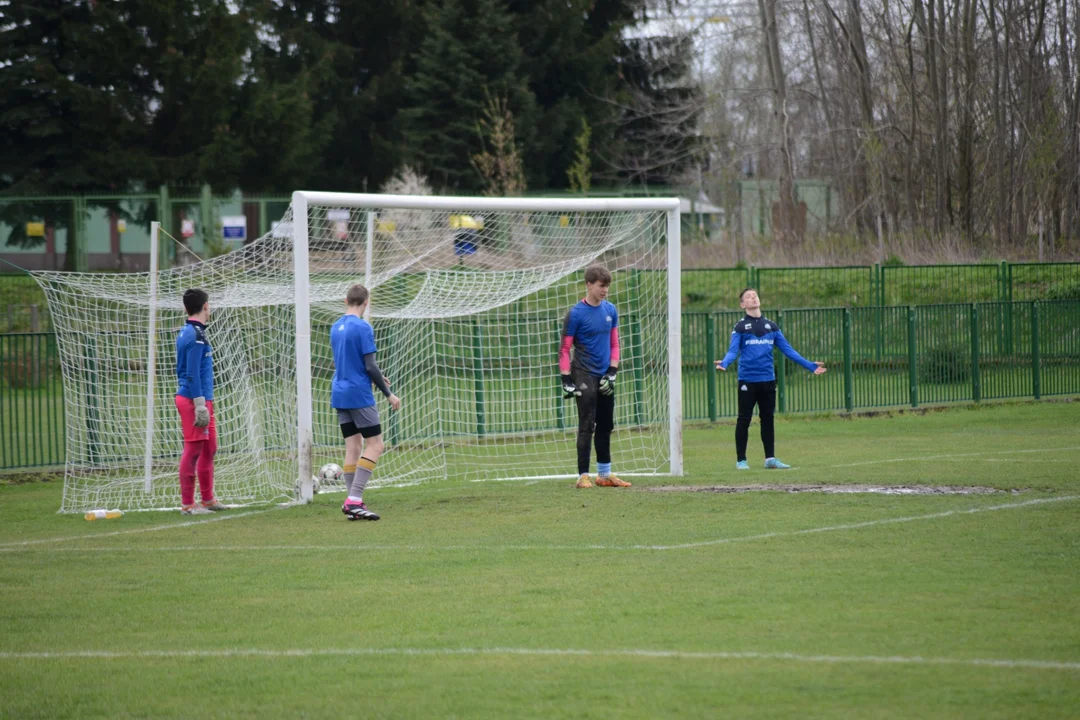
x: 611, y: 481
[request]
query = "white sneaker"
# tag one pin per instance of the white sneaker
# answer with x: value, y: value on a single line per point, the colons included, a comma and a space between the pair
x: 196, y: 509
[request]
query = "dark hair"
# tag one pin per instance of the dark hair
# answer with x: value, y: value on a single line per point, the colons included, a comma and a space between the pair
x: 195, y: 300
x: 597, y: 273
x: 744, y: 291
x: 357, y: 295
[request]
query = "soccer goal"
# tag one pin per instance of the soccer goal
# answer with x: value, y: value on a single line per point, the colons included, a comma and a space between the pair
x: 468, y: 297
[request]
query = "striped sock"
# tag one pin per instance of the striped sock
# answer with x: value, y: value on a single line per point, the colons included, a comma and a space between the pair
x: 350, y: 472
x: 603, y: 469
x: 364, y: 468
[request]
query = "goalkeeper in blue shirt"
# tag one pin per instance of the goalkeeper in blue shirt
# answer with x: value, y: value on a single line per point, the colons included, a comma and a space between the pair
x: 591, y: 330
x: 353, y: 343
x: 752, y: 341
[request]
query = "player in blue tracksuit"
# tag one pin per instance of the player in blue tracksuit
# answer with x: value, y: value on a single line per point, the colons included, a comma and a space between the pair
x: 752, y: 341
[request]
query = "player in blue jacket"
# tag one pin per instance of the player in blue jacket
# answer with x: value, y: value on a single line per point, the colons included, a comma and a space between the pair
x: 752, y: 342
x: 195, y: 402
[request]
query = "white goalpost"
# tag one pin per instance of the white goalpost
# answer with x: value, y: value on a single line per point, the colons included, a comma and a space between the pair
x: 468, y: 297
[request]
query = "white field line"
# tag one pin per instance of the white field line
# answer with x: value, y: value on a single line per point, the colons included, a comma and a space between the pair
x: 921, y: 458
x: 529, y: 652
x: 918, y: 458
x: 512, y: 548
x: 173, y: 526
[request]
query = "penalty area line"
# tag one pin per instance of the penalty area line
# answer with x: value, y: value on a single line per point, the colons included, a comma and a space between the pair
x: 645, y: 654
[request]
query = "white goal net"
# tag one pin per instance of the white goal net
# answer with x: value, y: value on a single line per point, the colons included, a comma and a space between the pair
x: 468, y: 297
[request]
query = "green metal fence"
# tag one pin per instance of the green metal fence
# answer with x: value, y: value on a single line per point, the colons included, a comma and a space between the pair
x: 895, y: 356
x: 31, y: 401
x: 877, y: 357
x: 869, y: 285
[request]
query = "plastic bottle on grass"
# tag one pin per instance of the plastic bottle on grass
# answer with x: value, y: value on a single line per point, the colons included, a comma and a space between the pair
x: 104, y: 514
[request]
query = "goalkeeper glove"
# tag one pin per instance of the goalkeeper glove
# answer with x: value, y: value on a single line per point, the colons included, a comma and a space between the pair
x: 569, y: 389
x: 607, y: 381
x: 202, y: 413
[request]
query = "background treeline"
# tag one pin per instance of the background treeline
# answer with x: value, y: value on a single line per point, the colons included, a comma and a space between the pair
x: 956, y: 120
x: 275, y: 95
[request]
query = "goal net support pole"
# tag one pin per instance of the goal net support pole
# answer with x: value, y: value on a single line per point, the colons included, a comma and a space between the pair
x: 151, y: 359
x: 301, y: 286
x: 674, y: 345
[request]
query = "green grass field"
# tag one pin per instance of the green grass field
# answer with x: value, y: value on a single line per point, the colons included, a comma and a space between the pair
x: 514, y: 599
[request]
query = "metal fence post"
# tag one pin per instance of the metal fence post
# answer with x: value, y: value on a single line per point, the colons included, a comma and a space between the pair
x: 975, y: 389
x: 637, y: 349
x: 849, y: 379
x: 710, y: 363
x: 164, y: 217
x: 263, y: 225
x: 1036, y: 373
x: 206, y: 215
x: 1005, y: 340
x: 478, y: 376
x: 393, y: 419
x: 913, y: 373
x: 92, y: 394
x: 781, y: 384
x: 560, y: 416
x: 78, y: 237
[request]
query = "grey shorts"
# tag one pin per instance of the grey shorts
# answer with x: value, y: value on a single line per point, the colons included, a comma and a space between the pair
x: 364, y: 421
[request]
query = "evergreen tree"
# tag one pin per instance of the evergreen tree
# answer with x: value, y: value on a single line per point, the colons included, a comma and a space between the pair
x: 657, y: 135
x: 70, y: 107
x: 470, y: 48
x: 572, y: 49
x: 346, y: 57
x: 195, y: 50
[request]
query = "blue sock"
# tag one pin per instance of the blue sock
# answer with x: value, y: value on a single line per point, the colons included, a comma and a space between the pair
x: 603, y: 469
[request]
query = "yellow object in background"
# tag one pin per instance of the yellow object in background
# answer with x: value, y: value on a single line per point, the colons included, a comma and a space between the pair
x: 466, y: 222
x: 104, y: 514
x: 35, y: 229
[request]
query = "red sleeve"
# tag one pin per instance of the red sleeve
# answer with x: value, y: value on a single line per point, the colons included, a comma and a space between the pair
x: 614, y: 346
x: 564, y: 355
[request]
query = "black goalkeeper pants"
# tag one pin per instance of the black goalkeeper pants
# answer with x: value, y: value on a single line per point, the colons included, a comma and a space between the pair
x: 596, y: 419
x: 762, y: 394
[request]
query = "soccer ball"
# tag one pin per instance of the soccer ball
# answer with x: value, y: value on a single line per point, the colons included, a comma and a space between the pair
x: 330, y: 472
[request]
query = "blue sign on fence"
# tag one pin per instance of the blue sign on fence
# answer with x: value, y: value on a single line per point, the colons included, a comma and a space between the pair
x: 234, y: 227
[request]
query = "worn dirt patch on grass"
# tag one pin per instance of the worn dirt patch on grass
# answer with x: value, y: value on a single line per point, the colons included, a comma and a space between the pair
x: 838, y: 489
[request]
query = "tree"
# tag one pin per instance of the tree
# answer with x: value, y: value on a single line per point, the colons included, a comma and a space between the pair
x: 580, y: 172
x: 781, y: 122
x: 71, y: 104
x: 499, y: 160
x: 572, y: 62
x: 196, y: 52
x: 345, y: 61
x: 470, y: 48
x: 657, y: 111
